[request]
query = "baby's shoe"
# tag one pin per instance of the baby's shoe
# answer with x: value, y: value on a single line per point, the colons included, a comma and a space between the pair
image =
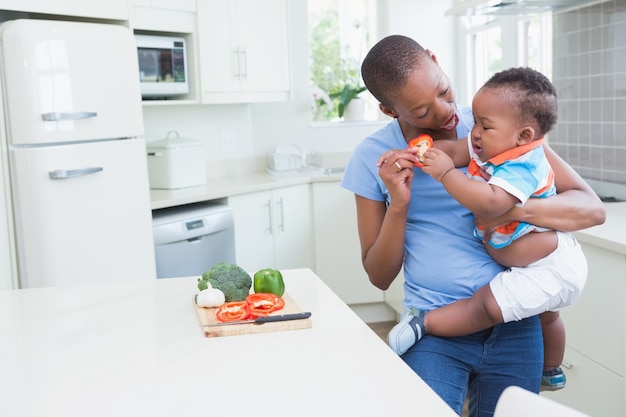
x: 553, y: 379
x: 407, y: 332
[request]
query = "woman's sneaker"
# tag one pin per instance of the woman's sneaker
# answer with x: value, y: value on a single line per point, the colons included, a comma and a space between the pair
x: 553, y: 379
x: 407, y: 332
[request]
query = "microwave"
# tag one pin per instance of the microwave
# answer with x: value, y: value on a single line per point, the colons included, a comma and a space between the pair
x: 162, y: 66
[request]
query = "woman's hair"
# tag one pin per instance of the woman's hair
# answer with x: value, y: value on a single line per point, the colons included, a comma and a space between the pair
x: 388, y: 65
x: 532, y: 96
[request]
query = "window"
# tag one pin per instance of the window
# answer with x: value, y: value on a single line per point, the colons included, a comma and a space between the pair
x: 497, y: 42
x: 340, y: 34
x: 535, y: 42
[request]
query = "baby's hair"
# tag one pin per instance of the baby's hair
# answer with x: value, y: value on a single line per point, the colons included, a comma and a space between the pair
x: 388, y: 65
x: 531, y: 93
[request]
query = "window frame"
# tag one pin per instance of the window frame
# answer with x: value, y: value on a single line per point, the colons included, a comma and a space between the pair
x: 513, y: 42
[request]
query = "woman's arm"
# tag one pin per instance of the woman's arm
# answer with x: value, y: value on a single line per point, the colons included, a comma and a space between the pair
x: 575, y: 207
x: 381, y: 233
x: 382, y: 227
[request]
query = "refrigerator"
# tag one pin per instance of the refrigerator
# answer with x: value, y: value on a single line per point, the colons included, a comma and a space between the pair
x: 78, y: 199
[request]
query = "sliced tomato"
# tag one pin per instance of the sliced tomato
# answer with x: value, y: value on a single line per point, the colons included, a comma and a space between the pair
x: 423, y: 142
x: 262, y: 304
x: 234, y: 310
x: 280, y: 303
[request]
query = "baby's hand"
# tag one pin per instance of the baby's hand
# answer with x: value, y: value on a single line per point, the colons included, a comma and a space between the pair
x: 437, y: 163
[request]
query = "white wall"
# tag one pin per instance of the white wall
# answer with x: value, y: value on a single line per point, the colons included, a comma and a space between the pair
x: 208, y: 123
x: 259, y: 128
x: 425, y: 21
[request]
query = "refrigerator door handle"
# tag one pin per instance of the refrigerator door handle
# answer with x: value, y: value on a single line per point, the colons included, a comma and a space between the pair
x: 61, y: 174
x: 58, y: 116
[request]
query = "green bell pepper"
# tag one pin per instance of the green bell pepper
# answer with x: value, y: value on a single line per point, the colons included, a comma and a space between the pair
x: 269, y: 280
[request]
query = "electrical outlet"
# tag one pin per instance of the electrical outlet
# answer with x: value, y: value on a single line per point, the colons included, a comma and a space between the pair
x: 229, y: 144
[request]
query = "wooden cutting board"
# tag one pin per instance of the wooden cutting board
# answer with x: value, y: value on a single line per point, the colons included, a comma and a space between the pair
x: 207, y: 316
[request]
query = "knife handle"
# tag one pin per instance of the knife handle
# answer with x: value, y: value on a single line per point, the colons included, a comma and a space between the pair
x: 284, y: 317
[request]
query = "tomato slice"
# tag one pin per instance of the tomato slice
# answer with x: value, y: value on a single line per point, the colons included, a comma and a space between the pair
x: 280, y: 303
x: 234, y: 310
x: 262, y: 304
x: 423, y: 142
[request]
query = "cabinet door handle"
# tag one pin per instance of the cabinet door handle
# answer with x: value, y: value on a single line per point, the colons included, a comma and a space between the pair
x: 61, y: 174
x: 270, y: 226
x: 60, y: 116
x: 237, y: 63
x: 567, y: 364
x: 281, y: 226
x: 244, y: 66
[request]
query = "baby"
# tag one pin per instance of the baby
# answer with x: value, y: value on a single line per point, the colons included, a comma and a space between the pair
x: 513, y: 111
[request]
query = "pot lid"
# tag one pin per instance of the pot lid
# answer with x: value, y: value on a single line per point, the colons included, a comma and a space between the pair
x: 172, y: 141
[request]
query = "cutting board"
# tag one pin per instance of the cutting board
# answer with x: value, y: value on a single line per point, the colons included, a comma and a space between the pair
x: 207, y: 316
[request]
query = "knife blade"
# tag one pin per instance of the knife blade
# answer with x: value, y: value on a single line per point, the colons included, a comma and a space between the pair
x: 261, y: 320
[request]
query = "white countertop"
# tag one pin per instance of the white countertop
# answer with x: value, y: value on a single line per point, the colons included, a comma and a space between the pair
x: 612, y: 234
x: 136, y: 349
x: 217, y: 188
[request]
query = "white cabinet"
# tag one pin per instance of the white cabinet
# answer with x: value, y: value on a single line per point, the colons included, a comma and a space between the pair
x: 110, y: 9
x: 273, y: 228
x: 173, y: 16
x: 337, y: 247
x: 184, y: 5
x: 394, y: 295
x: 594, y: 358
x: 243, y: 48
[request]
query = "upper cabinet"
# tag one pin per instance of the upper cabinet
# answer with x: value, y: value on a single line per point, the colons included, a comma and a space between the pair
x: 175, y: 16
x: 186, y: 5
x: 111, y: 9
x: 243, y: 48
x: 238, y: 50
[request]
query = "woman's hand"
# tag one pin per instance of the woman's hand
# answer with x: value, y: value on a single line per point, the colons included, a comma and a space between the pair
x: 575, y: 207
x: 492, y: 223
x: 395, y: 168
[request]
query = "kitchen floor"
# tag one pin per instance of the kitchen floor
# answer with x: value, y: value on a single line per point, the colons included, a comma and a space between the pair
x: 382, y: 329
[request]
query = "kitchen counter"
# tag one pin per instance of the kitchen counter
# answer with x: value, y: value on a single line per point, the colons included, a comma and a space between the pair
x: 610, y: 235
x: 217, y: 188
x: 136, y: 349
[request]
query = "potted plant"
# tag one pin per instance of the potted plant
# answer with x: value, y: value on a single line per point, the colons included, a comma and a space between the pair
x: 346, y: 95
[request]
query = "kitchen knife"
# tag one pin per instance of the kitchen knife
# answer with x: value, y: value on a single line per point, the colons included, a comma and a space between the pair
x: 261, y: 320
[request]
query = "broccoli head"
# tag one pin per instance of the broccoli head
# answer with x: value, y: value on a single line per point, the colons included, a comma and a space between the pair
x: 233, y: 280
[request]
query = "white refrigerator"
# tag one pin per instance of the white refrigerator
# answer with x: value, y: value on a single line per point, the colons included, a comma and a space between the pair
x: 78, y: 192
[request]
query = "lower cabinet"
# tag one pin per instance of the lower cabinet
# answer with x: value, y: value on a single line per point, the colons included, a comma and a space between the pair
x: 337, y: 246
x: 591, y: 388
x: 273, y: 228
x: 594, y: 358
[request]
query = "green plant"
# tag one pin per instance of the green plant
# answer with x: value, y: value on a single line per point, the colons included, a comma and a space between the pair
x: 346, y: 95
x: 335, y: 74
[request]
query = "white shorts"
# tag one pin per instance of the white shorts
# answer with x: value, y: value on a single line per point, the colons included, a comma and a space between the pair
x: 546, y: 285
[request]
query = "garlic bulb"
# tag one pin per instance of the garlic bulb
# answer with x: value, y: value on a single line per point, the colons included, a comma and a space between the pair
x: 211, y: 297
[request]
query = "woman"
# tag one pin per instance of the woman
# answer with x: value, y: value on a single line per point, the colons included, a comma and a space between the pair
x: 407, y: 220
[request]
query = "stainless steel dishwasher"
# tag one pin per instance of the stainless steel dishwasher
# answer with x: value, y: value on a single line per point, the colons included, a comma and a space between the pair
x: 190, y: 239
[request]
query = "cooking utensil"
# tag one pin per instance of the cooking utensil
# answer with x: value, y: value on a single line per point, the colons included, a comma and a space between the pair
x: 261, y: 320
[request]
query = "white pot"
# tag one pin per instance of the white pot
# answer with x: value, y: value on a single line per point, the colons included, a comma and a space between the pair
x: 176, y: 162
x: 355, y: 110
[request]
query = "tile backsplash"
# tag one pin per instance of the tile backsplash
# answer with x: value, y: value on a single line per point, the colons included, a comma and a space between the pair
x: 589, y: 72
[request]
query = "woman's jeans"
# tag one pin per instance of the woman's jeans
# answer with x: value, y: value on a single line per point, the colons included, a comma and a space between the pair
x: 480, y: 365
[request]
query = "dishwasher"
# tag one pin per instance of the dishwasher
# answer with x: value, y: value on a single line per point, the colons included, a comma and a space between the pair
x: 190, y: 239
